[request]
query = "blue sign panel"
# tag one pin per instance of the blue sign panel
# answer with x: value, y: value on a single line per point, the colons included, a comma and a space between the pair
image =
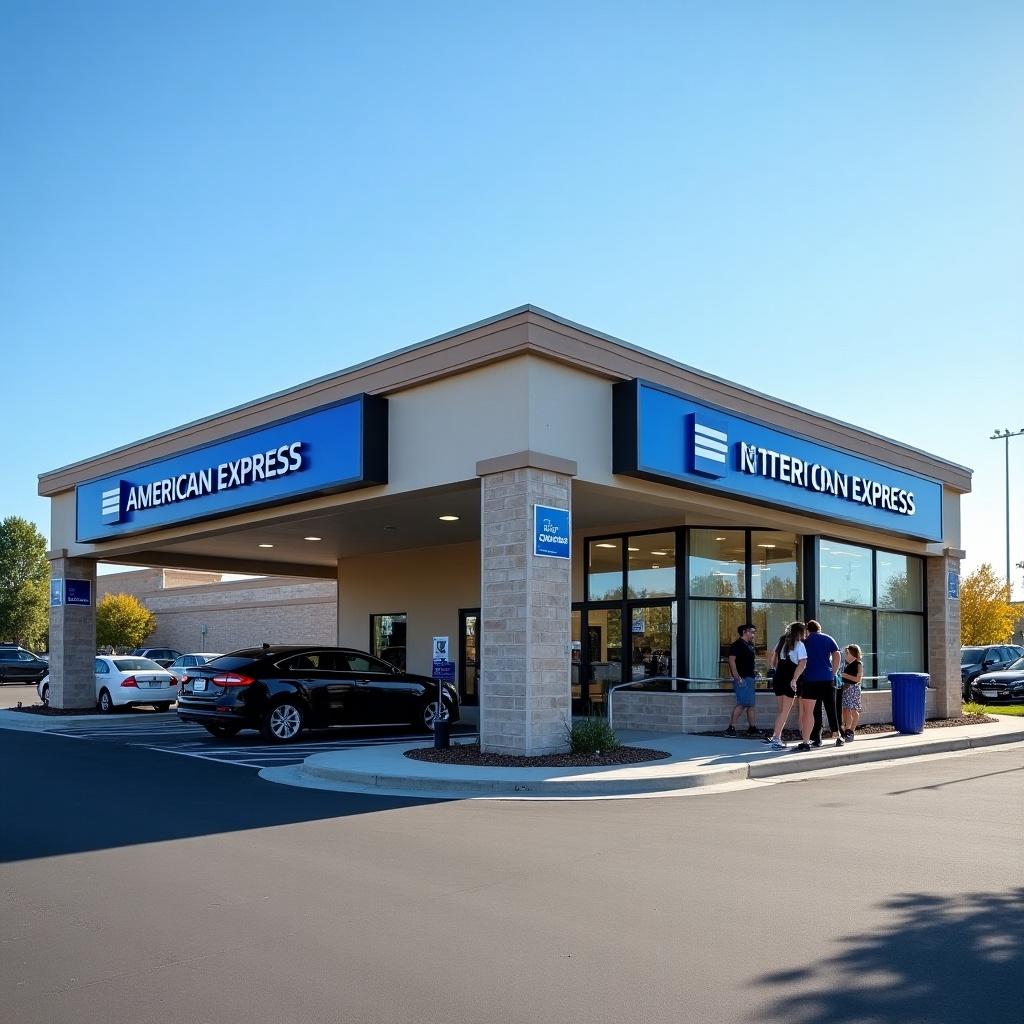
x: 56, y: 593
x: 78, y: 592
x: 551, y: 536
x: 338, y: 448
x: 953, y: 586
x: 666, y: 436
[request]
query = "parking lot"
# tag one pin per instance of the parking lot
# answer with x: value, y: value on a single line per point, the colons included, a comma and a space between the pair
x: 141, y: 727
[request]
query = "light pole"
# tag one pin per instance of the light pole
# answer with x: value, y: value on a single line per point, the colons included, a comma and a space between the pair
x: 1005, y: 435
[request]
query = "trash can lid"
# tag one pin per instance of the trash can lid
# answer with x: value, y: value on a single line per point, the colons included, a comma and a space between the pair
x: 909, y: 677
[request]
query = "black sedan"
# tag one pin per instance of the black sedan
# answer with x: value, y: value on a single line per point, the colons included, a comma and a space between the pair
x: 1003, y: 687
x: 280, y: 690
x: 20, y: 666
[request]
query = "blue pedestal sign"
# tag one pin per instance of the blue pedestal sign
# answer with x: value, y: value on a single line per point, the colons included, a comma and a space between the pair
x: 78, y: 592
x: 551, y: 532
x: 953, y: 586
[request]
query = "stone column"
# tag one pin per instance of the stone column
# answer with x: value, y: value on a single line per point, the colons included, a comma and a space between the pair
x: 73, y: 637
x: 525, y: 609
x: 943, y: 628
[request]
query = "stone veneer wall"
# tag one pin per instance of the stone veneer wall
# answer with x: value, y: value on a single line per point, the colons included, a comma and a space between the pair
x: 707, y: 712
x: 238, y: 613
x: 525, y: 618
x: 943, y: 632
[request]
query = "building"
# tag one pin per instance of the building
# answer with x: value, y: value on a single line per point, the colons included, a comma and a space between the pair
x: 572, y: 511
x: 201, y: 611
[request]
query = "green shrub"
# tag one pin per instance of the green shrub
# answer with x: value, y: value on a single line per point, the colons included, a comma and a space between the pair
x: 971, y: 708
x: 591, y: 736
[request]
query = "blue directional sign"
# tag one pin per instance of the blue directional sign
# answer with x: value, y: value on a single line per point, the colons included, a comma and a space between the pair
x: 78, y: 592
x: 551, y: 533
x: 663, y: 435
x: 953, y: 586
x: 336, y: 448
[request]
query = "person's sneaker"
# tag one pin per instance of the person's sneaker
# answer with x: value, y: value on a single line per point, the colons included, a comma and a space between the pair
x: 840, y: 741
x: 849, y: 735
x: 777, y: 744
x: 753, y: 731
x: 815, y: 743
x: 804, y: 746
x: 731, y: 731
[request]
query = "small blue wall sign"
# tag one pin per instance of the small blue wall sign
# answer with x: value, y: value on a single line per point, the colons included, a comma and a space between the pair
x: 78, y: 592
x: 953, y: 586
x: 56, y: 593
x: 551, y: 532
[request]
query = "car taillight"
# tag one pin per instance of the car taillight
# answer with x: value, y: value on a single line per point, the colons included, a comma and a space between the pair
x: 129, y: 681
x: 233, y: 679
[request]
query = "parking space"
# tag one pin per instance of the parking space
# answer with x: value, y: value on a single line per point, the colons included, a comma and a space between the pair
x: 248, y: 750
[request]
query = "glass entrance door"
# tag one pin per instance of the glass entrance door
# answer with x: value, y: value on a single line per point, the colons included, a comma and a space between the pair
x: 652, y: 640
x: 469, y: 656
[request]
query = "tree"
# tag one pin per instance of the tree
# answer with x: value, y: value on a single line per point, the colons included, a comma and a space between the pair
x: 24, y: 582
x: 122, y: 620
x: 986, y: 616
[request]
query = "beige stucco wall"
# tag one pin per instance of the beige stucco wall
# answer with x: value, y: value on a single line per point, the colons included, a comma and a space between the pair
x: 430, y: 585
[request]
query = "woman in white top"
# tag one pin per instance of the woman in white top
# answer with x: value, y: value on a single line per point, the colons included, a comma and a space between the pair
x: 789, y: 659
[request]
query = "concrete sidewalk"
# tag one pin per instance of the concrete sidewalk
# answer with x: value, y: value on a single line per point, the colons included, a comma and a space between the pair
x: 694, y: 761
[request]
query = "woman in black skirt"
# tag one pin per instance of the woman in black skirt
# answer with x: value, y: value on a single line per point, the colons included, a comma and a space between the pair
x: 788, y: 660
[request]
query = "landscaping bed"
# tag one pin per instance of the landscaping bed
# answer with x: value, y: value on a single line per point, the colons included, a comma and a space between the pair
x: 469, y: 754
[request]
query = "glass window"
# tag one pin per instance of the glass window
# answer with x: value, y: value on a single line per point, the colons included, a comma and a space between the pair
x: 851, y: 626
x: 360, y: 663
x: 775, y: 571
x: 712, y: 631
x: 845, y: 573
x: 900, y: 643
x: 900, y: 581
x: 772, y: 619
x: 604, y: 642
x: 652, y: 636
x: 651, y: 561
x: 387, y: 638
x: 604, y: 570
x: 717, y: 563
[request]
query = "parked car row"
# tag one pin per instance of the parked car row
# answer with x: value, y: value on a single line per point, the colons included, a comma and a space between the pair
x: 18, y: 665
x: 978, y: 660
x: 277, y: 690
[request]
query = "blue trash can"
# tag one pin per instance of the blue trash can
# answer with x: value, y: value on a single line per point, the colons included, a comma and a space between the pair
x: 908, y: 697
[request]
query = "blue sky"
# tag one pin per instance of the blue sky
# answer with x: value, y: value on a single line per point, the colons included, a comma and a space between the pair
x: 203, y: 204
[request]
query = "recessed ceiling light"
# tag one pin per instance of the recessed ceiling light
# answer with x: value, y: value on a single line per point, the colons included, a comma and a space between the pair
x: 448, y: 519
x: 266, y: 545
x: 606, y: 545
x: 312, y: 538
x: 632, y: 549
x: 719, y: 538
x: 766, y: 545
x: 655, y: 566
x: 659, y: 553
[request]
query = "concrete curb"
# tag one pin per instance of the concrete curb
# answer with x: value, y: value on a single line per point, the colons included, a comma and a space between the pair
x: 20, y: 721
x: 321, y: 771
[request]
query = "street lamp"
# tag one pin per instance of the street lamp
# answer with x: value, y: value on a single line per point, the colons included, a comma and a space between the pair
x: 1005, y: 435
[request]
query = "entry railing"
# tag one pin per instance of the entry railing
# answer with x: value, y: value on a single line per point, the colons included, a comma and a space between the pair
x: 720, y: 686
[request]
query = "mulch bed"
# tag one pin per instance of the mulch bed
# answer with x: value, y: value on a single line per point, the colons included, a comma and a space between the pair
x: 863, y: 730
x: 469, y: 754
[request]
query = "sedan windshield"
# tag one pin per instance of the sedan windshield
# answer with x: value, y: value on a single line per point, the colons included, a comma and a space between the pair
x: 971, y: 655
x: 136, y: 665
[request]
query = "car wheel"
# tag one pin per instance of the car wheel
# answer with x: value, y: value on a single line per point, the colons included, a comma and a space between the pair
x: 105, y: 703
x: 428, y: 716
x: 46, y: 695
x: 222, y: 732
x: 164, y: 705
x: 282, y: 723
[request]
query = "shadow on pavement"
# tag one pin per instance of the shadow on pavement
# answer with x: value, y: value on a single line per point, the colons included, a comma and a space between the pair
x: 945, y: 959
x: 61, y: 796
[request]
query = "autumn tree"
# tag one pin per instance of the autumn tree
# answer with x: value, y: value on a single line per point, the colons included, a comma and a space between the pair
x: 123, y: 621
x: 986, y: 616
x: 24, y: 582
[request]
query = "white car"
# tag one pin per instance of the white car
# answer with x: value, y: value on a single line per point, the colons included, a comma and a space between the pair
x: 180, y: 666
x: 123, y: 682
